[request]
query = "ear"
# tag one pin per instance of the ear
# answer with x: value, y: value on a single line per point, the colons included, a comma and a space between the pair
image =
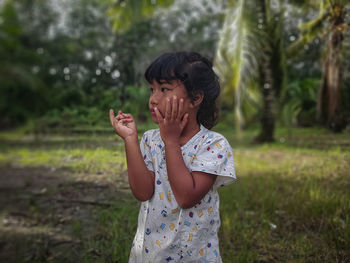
x: 197, y: 99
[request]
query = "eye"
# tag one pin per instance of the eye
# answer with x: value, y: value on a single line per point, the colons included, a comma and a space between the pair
x: 151, y: 90
x: 164, y: 89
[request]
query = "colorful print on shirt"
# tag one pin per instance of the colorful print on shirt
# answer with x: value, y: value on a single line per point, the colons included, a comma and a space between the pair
x: 167, y: 233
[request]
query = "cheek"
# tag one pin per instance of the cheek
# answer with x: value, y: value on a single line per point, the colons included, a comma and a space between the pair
x: 188, y: 106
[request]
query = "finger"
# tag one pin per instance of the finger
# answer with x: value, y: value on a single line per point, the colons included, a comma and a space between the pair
x: 158, y: 115
x: 126, y: 120
x: 181, y: 108
x: 168, y: 109
x: 125, y: 123
x: 184, y: 120
x: 119, y: 115
x: 111, y: 116
x: 174, y: 109
x: 127, y: 115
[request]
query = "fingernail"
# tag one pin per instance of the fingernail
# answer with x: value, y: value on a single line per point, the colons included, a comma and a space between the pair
x: 175, y: 98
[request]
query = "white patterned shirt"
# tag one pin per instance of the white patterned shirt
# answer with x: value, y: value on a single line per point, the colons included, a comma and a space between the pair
x: 168, y: 233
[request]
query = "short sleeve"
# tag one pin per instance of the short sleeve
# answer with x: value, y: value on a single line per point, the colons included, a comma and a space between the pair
x: 215, y: 156
x: 145, y: 151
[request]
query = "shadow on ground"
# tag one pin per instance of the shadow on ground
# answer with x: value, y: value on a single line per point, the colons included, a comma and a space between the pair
x: 47, y: 213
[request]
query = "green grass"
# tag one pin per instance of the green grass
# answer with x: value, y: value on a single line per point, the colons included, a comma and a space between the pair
x: 288, y: 205
x: 112, y: 241
x: 78, y: 160
x: 291, y: 202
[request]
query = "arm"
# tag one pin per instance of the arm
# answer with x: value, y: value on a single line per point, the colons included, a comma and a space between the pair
x: 141, y: 179
x: 188, y: 187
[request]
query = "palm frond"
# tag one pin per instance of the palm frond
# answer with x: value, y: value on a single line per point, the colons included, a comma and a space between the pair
x: 310, y: 30
x: 125, y: 13
x: 238, y: 53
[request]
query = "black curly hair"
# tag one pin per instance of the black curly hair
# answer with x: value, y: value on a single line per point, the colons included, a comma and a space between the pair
x: 198, y: 77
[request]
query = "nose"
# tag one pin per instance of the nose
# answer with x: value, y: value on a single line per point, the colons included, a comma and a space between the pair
x: 154, y: 99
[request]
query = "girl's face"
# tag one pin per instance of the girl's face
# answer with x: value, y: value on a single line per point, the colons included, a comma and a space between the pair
x: 161, y: 92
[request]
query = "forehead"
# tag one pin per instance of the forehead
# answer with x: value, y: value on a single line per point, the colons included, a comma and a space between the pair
x: 173, y: 83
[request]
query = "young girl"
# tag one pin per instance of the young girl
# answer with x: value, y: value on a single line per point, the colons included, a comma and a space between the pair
x: 175, y: 170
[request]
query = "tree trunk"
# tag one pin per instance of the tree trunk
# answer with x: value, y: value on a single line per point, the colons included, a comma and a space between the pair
x: 268, y: 114
x: 329, y: 96
x: 267, y: 84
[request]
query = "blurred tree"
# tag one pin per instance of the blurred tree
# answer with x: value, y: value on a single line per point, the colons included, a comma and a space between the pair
x: 125, y: 13
x: 331, y: 24
x: 251, y: 51
x: 329, y: 102
x: 237, y: 58
x: 153, y: 27
x: 272, y: 68
x: 51, y: 63
x: 22, y: 91
x: 60, y: 57
x: 172, y: 25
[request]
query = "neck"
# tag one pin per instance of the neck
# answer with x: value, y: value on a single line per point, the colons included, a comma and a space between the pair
x: 192, y: 128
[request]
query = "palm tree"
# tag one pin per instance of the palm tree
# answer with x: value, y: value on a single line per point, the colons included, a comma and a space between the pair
x: 125, y: 13
x: 329, y: 101
x: 249, y: 58
x: 237, y: 59
x: 251, y: 52
x: 333, y: 13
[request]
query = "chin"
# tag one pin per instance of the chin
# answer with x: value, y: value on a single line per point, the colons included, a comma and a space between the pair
x: 155, y: 120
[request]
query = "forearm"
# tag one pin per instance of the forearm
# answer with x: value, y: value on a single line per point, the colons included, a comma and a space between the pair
x: 181, y: 179
x: 141, y: 179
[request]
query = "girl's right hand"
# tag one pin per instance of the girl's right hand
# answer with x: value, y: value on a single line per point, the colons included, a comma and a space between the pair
x: 123, y: 124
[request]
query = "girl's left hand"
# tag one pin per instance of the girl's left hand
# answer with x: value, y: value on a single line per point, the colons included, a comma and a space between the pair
x: 124, y: 124
x: 174, y: 121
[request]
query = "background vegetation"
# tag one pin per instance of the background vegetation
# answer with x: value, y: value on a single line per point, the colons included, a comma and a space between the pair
x: 64, y: 63
x: 284, y: 69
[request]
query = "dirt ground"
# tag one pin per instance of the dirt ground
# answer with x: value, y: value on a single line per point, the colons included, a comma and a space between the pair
x: 46, y: 213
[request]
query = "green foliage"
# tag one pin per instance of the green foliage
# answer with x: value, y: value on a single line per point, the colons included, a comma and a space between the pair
x: 76, y: 72
x: 68, y: 118
x: 309, y: 31
x: 300, y: 103
x: 46, y: 70
x: 71, y: 117
x: 290, y: 112
x: 125, y: 13
x: 82, y: 115
x: 251, y: 45
x: 237, y: 56
x: 22, y: 94
x: 136, y: 102
x: 305, y: 90
x: 117, y: 225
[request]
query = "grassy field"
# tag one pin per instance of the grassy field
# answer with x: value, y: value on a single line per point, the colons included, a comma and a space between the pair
x: 65, y: 198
